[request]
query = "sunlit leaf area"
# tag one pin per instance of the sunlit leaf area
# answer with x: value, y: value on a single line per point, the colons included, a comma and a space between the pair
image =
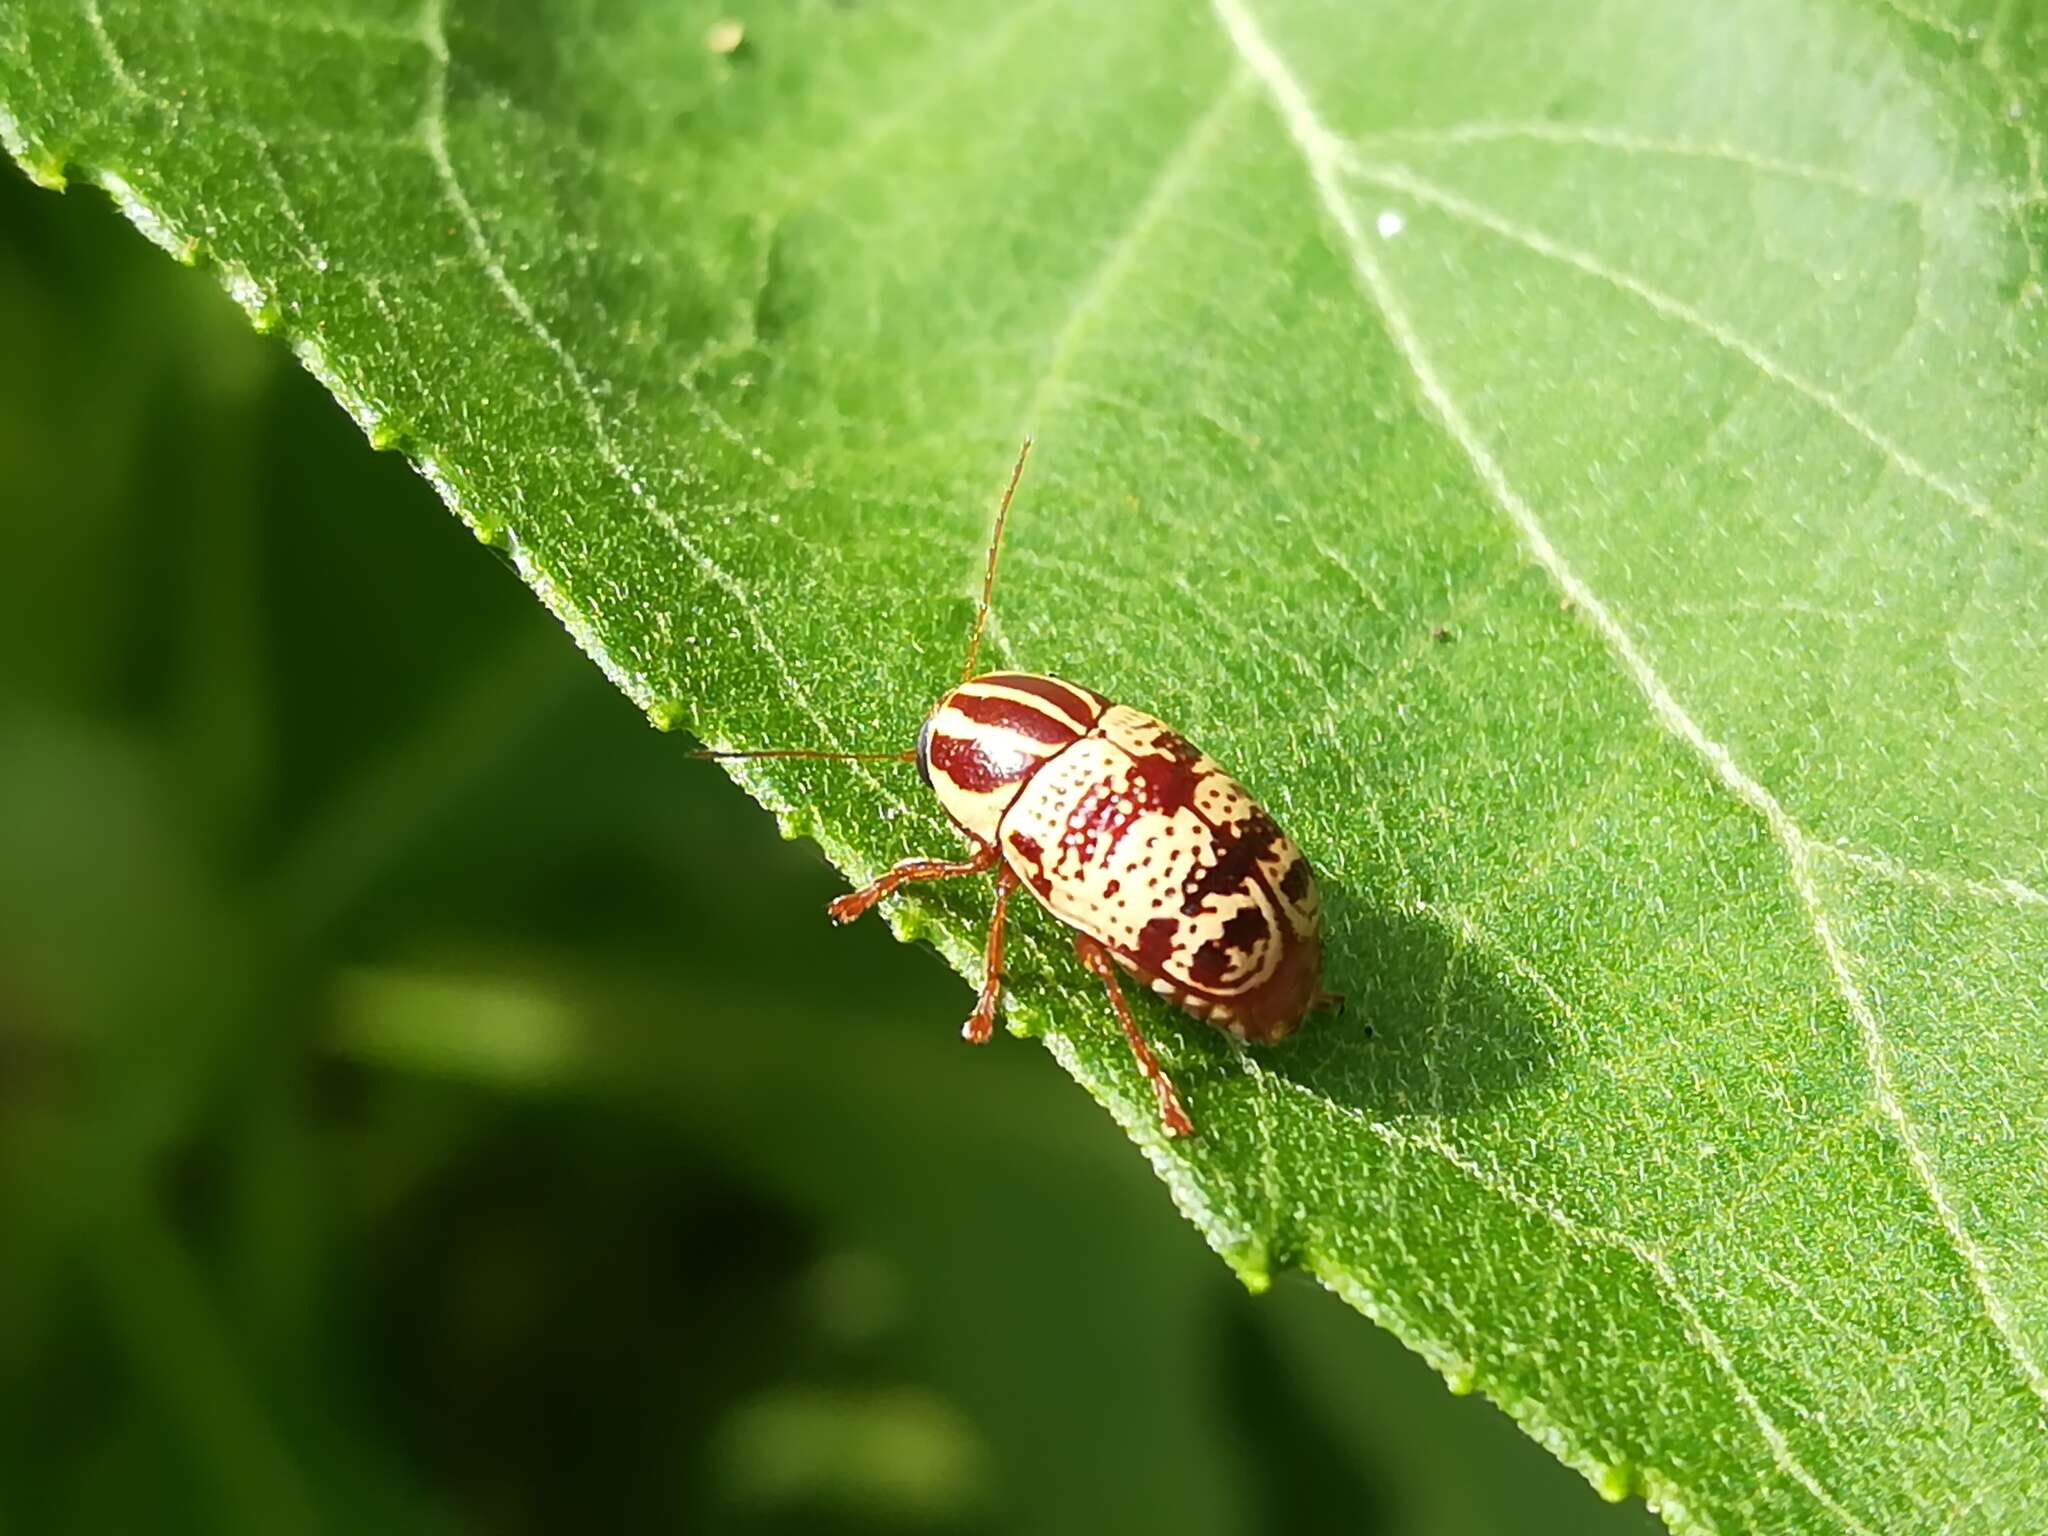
x: 1579, y: 464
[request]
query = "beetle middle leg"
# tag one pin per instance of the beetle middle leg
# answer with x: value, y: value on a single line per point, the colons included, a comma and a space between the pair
x: 1172, y: 1118
x: 850, y: 906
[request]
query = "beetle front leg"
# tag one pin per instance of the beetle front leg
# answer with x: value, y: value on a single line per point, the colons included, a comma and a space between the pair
x: 1172, y: 1118
x: 909, y: 872
x: 981, y: 1023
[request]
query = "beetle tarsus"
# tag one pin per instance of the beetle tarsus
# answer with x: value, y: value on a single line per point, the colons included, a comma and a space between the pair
x: 845, y: 909
x: 1172, y: 1118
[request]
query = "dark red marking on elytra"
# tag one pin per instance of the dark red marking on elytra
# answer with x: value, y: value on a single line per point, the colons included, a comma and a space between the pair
x: 1070, y: 699
x: 1235, y: 866
x: 1028, y: 848
x: 1165, y: 780
x: 1155, y: 945
x: 966, y: 764
x: 1246, y: 928
x: 1242, y: 932
x: 1176, y: 748
x: 1010, y: 715
x: 1294, y: 884
x: 1098, y: 822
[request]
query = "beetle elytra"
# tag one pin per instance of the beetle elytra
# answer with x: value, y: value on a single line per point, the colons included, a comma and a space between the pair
x: 1161, y: 863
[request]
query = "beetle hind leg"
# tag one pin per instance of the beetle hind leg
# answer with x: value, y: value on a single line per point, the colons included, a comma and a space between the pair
x: 850, y: 906
x: 1173, y: 1119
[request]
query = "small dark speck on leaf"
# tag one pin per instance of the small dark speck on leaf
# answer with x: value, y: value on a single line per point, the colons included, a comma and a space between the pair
x: 1442, y: 632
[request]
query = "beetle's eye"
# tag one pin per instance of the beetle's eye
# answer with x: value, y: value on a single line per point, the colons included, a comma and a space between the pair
x: 924, y: 753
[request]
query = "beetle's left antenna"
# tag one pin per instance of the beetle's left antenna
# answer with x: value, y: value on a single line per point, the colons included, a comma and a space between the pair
x: 995, y: 550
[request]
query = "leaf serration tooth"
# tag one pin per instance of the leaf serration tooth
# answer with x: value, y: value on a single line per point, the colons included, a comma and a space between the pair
x: 1616, y: 1480
x: 387, y: 436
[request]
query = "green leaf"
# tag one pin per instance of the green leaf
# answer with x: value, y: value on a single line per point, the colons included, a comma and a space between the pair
x: 1579, y: 464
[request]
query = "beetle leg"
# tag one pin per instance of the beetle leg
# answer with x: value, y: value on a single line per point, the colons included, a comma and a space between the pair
x: 854, y: 903
x: 982, y: 1022
x: 1172, y: 1118
x: 1328, y: 1002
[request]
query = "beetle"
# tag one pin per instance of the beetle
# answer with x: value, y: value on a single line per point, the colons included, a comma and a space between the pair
x: 1162, y: 864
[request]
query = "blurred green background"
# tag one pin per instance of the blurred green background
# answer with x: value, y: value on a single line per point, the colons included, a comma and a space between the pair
x: 431, y: 1101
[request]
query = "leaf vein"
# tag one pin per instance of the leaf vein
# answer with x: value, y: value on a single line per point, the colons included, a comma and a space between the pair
x: 117, y: 66
x: 2001, y: 890
x: 1588, y: 1234
x: 1395, y: 178
x: 1622, y: 141
x: 1108, y: 272
x: 1327, y: 159
x: 433, y: 130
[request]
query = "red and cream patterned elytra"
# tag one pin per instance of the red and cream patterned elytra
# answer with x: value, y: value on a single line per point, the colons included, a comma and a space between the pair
x: 1129, y: 834
x: 1159, y: 861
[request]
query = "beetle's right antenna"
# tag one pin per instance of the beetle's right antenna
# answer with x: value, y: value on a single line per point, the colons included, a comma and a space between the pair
x: 995, y: 550
x: 809, y: 755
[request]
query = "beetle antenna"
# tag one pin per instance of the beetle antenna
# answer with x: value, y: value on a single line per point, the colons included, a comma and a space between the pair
x: 995, y: 550
x: 805, y: 752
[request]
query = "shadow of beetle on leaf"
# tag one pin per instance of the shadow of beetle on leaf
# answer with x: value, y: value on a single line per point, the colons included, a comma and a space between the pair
x: 1436, y: 1020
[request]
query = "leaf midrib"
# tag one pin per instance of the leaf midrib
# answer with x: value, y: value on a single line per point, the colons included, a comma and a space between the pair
x: 1326, y: 160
